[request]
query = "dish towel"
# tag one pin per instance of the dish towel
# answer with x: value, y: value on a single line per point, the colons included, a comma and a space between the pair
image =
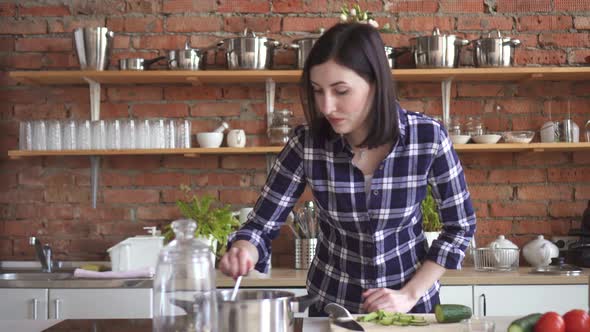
x: 146, y: 272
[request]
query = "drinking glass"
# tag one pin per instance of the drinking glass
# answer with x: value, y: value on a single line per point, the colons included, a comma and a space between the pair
x: 129, y: 135
x: 25, y: 135
x: 183, y: 135
x: 39, y: 135
x: 69, y: 135
x: 84, y: 135
x: 114, y: 134
x: 158, y: 134
x: 144, y: 134
x: 170, y: 134
x: 99, y: 135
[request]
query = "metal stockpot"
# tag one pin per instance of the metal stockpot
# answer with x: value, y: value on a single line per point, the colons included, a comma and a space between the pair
x: 302, y: 47
x: 138, y: 63
x: 188, y: 58
x: 249, y: 51
x: 494, y: 51
x: 437, y: 51
x: 93, y: 47
x: 392, y: 53
x: 260, y: 310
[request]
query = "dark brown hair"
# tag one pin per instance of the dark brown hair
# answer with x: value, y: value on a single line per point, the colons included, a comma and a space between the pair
x: 359, y: 47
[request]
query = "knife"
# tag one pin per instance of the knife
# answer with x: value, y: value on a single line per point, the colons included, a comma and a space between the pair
x: 341, y: 317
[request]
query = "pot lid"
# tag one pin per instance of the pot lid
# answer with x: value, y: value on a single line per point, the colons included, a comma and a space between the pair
x: 495, y: 34
x: 436, y: 34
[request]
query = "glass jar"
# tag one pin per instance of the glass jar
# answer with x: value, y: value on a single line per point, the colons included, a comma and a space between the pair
x: 280, y: 127
x: 184, y: 284
x: 474, y: 126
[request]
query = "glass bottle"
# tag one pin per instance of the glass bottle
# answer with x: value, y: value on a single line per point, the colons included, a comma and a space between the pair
x: 184, y: 284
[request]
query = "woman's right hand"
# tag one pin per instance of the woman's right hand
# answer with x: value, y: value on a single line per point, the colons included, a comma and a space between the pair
x: 239, y: 260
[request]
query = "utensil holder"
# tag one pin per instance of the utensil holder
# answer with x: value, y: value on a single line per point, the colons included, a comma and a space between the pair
x: 304, y: 253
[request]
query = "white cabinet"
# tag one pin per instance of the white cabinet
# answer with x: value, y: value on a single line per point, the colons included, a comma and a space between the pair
x: 100, y: 303
x: 23, y: 303
x: 457, y: 295
x: 518, y: 300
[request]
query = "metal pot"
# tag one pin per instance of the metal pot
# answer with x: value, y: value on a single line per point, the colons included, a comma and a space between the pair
x: 302, y: 47
x: 494, y: 51
x: 260, y: 310
x: 93, y: 47
x: 138, y: 63
x: 249, y: 51
x: 188, y: 58
x: 392, y: 53
x: 437, y: 51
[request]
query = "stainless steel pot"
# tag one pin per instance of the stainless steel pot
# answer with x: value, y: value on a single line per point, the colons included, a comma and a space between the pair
x: 494, y: 51
x: 437, y: 51
x: 138, y: 63
x: 93, y: 47
x: 392, y: 53
x: 249, y: 51
x: 302, y: 47
x: 188, y: 58
x: 260, y: 310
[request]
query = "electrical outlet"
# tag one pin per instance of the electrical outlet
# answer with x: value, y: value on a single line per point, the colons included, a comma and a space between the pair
x: 563, y: 242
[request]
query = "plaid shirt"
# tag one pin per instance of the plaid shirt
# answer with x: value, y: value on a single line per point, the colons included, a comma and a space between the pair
x: 368, y: 242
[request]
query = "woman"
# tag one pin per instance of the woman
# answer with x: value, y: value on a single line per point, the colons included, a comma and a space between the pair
x: 368, y: 163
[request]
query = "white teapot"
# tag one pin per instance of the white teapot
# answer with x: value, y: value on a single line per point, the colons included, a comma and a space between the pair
x: 504, y: 258
x: 539, y: 251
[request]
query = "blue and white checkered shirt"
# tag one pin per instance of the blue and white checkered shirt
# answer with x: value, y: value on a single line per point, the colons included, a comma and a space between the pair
x: 369, y: 242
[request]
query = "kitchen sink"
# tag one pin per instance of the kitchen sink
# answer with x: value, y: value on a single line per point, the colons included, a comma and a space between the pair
x: 35, y: 276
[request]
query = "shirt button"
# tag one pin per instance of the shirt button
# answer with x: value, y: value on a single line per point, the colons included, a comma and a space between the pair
x: 375, y: 192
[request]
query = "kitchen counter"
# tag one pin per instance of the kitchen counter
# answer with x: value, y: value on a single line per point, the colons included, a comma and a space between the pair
x: 140, y: 325
x: 291, y: 278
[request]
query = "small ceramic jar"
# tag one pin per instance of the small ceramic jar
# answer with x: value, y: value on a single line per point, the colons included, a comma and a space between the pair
x: 539, y: 252
x: 504, y: 258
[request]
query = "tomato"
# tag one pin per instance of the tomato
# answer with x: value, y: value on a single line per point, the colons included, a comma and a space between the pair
x: 577, y: 321
x: 550, y: 322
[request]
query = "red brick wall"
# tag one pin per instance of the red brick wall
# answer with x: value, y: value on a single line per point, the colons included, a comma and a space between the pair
x: 517, y: 194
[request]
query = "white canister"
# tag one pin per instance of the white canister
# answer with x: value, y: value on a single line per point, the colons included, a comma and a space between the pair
x: 539, y: 251
x: 236, y: 138
x: 136, y: 252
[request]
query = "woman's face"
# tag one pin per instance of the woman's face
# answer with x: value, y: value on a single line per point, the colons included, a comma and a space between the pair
x: 343, y: 97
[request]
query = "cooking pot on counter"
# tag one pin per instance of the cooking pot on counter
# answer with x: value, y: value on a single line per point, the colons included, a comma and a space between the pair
x: 494, y: 50
x: 249, y: 51
x: 138, y: 63
x: 437, y: 51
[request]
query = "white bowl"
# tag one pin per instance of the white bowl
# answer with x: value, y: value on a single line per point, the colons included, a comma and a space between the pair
x: 486, y: 139
x: 518, y: 136
x: 210, y: 140
x: 460, y: 139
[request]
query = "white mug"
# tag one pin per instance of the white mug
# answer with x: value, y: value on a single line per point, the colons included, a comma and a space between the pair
x: 243, y: 214
x: 236, y: 138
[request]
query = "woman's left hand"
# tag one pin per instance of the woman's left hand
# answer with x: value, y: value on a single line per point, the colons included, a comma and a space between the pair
x: 388, y: 299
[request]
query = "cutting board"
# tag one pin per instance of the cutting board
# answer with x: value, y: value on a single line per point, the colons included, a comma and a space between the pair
x: 434, y: 326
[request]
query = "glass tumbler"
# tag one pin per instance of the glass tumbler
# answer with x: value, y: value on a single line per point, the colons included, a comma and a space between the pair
x: 170, y: 134
x: 25, y: 135
x: 157, y: 134
x: 144, y: 134
x: 129, y: 135
x: 114, y: 135
x: 69, y: 135
x: 54, y: 137
x: 39, y: 135
x: 183, y: 134
x: 99, y: 135
x: 84, y: 135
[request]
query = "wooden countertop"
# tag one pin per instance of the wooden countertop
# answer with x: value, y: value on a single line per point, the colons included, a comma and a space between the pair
x: 291, y: 278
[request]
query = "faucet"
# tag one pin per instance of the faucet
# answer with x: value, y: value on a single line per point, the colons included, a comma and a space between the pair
x: 43, y: 254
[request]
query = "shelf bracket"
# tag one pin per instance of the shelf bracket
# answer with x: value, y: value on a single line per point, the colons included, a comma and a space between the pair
x: 270, y: 101
x: 446, y: 101
x: 94, y: 116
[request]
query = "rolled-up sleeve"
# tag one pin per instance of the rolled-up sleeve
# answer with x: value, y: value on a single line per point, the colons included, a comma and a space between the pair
x: 284, y: 185
x: 449, y: 189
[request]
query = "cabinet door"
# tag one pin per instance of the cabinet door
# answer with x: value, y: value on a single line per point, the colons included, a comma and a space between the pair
x: 100, y: 303
x: 457, y: 295
x: 518, y: 300
x: 23, y: 303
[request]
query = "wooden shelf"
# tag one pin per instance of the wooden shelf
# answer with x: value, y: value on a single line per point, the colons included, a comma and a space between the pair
x: 194, y: 152
x: 293, y: 76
